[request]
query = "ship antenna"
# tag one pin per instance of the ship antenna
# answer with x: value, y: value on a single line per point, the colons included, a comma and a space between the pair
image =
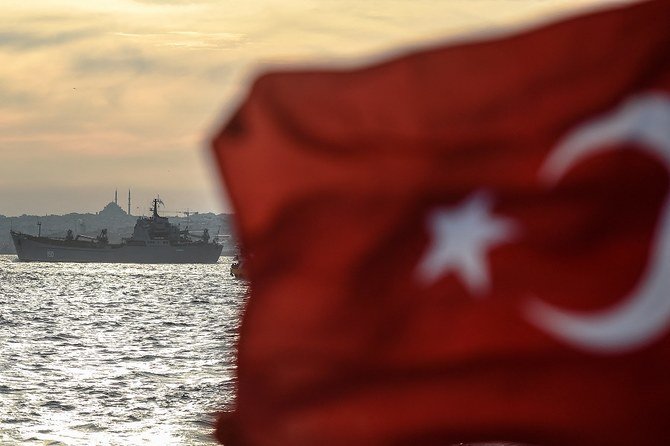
x: 156, y: 202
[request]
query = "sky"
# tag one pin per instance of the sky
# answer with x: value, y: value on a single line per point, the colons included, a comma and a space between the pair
x: 101, y: 95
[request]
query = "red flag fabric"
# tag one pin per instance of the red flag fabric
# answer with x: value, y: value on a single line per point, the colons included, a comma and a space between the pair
x: 468, y: 243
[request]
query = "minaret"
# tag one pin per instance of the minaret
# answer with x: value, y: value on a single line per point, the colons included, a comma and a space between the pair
x: 128, y: 201
x: 116, y: 197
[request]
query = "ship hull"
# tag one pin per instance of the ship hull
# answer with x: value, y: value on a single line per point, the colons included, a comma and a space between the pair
x: 40, y: 249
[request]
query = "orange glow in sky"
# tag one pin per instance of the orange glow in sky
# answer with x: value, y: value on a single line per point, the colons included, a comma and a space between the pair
x: 101, y: 95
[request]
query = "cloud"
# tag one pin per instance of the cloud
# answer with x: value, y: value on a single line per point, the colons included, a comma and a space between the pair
x: 16, y: 97
x: 122, y: 60
x: 175, y: 2
x: 189, y: 39
x: 101, y: 94
x: 26, y: 40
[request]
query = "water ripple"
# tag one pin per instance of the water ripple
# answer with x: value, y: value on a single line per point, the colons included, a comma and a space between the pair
x: 115, y: 354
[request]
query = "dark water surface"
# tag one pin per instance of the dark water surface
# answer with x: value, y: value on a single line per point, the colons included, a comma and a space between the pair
x: 110, y: 354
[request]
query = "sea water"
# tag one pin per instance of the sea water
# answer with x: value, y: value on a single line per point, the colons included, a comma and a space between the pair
x: 114, y: 354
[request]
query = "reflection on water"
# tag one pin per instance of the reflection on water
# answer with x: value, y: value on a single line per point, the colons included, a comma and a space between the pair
x: 115, y: 354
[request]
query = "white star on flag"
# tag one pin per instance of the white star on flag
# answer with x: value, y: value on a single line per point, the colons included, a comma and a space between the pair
x: 461, y: 238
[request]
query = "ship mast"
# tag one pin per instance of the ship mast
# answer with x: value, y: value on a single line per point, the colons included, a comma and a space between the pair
x: 155, y: 206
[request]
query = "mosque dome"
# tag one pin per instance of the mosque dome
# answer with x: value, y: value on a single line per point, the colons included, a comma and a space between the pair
x: 112, y: 209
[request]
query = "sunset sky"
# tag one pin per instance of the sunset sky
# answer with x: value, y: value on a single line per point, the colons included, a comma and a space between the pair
x: 105, y: 94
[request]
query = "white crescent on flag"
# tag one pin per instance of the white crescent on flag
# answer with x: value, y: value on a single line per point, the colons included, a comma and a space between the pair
x: 644, y: 315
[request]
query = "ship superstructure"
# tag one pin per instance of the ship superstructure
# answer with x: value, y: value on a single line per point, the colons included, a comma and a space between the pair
x: 154, y: 240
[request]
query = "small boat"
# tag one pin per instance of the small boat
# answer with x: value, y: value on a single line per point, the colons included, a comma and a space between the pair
x: 237, y: 268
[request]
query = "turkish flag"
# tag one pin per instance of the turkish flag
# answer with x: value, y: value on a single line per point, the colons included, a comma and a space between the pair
x: 467, y: 243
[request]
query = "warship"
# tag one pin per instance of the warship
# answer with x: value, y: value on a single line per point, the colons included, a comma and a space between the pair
x: 154, y: 240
